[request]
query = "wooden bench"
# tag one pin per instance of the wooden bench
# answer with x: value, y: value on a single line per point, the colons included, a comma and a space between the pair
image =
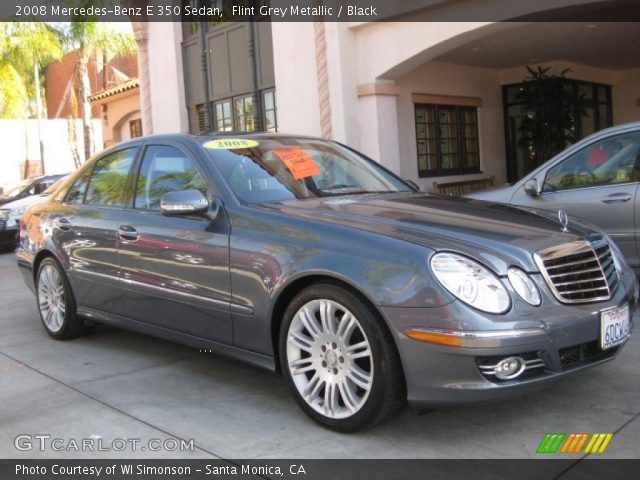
x: 466, y: 186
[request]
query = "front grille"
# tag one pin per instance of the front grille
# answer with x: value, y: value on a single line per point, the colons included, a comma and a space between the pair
x: 584, y: 353
x: 3, y: 223
x: 579, y: 272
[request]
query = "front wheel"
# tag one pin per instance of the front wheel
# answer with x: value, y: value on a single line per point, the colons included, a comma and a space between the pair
x: 340, y: 360
x: 56, y: 304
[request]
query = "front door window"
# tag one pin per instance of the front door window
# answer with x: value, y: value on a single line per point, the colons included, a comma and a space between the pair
x: 611, y: 161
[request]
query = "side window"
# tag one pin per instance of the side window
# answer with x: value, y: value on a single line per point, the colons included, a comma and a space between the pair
x: 165, y: 169
x: 607, y: 162
x: 75, y: 194
x: 42, y: 186
x: 109, y: 180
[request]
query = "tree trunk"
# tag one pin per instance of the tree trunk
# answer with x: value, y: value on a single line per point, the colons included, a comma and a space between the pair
x: 85, y: 91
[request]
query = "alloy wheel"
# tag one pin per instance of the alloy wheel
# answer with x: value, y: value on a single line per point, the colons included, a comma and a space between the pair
x: 329, y: 358
x: 51, y: 298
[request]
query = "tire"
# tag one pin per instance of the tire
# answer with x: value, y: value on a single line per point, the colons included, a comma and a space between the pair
x: 339, y: 359
x: 56, y: 304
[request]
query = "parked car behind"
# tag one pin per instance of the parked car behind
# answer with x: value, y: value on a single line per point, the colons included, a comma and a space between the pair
x: 11, y: 212
x: 596, y: 179
x: 303, y: 256
x: 28, y: 187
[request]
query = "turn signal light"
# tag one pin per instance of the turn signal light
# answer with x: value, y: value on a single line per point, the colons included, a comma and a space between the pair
x: 433, y: 337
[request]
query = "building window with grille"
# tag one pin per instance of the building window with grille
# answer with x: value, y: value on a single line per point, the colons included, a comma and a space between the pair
x: 243, y: 107
x: 270, y: 118
x: 135, y: 128
x: 198, y: 119
x: 447, y: 140
x: 223, y: 118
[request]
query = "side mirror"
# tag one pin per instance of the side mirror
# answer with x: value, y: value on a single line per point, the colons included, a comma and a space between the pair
x: 183, y: 202
x: 531, y: 187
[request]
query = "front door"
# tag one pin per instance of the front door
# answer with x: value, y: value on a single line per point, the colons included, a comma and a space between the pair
x: 175, y: 268
x: 598, y: 183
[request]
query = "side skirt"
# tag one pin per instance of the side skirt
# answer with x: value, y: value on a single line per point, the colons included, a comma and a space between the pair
x: 257, y: 359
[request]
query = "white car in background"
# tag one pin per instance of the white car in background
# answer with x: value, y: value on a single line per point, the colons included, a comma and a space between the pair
x: 11, y: 212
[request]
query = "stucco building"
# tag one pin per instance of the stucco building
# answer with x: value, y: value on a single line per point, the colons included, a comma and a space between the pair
x: 119, y: 108
x: 432, y: 100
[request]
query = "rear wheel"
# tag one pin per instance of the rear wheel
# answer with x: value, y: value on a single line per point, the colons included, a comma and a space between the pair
x: 56, y: 304
x: 339, y: 359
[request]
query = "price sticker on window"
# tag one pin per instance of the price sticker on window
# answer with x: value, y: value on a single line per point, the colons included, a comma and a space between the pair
x: 299, y: 162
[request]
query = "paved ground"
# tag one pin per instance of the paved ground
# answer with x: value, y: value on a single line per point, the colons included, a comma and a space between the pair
x: 117, y: 384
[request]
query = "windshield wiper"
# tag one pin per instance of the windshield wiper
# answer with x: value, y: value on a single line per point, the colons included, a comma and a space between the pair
x: 351, y: 191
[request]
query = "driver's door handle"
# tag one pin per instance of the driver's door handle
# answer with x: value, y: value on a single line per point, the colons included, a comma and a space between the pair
x: 127, y: 232
x: 621, y: 197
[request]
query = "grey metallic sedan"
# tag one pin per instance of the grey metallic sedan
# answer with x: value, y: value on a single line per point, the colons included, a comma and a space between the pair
x: 596, y: 179
x: 302, y: 256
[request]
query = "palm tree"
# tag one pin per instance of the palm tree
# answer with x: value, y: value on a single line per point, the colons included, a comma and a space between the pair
x: 25, y: 47
x: 88, y: 38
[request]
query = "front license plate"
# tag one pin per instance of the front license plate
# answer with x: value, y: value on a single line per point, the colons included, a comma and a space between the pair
x: 614, y: 327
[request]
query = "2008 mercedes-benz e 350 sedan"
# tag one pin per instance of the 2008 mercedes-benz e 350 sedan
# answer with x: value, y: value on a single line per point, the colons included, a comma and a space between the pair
x: 302, y: 255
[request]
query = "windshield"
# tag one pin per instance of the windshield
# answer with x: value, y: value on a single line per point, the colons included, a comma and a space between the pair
x: 55, y: 186
x: 16, y: 189
x: 279, y: 169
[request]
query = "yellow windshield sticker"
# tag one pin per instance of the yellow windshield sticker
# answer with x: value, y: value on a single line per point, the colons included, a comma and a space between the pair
x: 230, y: 143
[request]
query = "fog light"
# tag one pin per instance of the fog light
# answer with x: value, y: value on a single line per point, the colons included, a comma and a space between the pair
x: 509, y: 368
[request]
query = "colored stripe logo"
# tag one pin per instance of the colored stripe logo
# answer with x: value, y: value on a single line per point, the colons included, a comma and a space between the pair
x: 555, y: 442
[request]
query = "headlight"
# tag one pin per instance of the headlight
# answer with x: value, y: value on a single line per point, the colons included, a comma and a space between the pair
x: 470, y: 282
x: 524, y: 286
x: 14, y: 216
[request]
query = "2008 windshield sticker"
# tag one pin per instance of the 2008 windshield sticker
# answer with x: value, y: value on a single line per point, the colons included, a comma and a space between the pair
x: 230, y: 143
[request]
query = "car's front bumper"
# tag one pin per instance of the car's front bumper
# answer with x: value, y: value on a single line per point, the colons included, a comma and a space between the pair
x: 9, y: 238
x: 568, y: 340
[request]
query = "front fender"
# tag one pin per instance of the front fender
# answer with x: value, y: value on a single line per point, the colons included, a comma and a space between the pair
x: 270, y: 252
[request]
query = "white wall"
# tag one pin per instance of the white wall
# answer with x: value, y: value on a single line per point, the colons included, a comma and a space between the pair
x: 168, y: 104
x: 19, y: 139
x: 294, y: 60
x: 626, y: 95
x: 576, y: 71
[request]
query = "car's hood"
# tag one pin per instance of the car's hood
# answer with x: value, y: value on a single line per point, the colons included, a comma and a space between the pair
x: 25, y: 202
x: 502, y: 193
x: 4, y: 199
x: 497, y: 234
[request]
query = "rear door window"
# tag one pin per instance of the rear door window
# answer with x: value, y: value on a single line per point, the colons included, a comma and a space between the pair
x: 75, y: 194
x: 108, y: 183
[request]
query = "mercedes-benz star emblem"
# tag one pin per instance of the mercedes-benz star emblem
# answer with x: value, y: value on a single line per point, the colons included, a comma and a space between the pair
x: 563, y: 219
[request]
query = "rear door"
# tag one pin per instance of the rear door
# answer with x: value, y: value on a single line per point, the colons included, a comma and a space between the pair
x: 175, y: 268
x: 85, y: 229
x: 598, y: 183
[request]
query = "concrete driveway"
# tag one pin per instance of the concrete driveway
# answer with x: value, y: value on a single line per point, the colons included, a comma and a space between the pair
x: 117, y: 384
